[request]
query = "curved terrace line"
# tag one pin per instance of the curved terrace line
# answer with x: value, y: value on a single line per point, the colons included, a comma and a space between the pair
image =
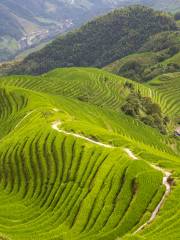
x: 132, y: 156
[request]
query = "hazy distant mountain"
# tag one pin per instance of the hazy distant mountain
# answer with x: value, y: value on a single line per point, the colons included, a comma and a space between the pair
x: 165, y: 5
x: 25, y: 23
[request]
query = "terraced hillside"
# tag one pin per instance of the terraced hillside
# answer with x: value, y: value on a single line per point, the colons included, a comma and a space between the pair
x: 159, y: 55
x: 73, y: 166
x: 97, y: 87
x: 169, y: 85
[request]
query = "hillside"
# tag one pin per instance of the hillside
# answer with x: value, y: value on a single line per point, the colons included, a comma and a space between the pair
x: 25, y: 24
x: 159, y: 55
x: 93, y: 44
x: 73, y: 166
x: 90, y: 123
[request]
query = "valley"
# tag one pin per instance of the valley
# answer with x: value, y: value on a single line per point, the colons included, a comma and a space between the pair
x: 30, y: 40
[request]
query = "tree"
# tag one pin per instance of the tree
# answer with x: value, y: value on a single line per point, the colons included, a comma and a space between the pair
x: 143, y: 109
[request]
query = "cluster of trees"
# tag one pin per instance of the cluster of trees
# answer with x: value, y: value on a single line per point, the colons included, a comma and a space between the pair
x: 132, y: 69
x: 100, y: 41
x: 161, y: 41
x: 159, y: 69
x: 143, y: 109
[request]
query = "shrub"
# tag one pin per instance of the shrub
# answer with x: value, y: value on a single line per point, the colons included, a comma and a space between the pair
x: 145, y: 110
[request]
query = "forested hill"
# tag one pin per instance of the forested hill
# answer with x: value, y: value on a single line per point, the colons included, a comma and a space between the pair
x: 100, y: 41
x: 159, y: 55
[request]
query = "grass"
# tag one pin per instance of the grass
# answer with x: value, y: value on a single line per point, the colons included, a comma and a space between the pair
x: 56, y: 186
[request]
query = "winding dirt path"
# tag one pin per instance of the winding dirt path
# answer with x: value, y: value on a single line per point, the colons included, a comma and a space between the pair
x: 165, y: 182
x: 157, y: 209
x: 55, y: 126
x: 58, y: 123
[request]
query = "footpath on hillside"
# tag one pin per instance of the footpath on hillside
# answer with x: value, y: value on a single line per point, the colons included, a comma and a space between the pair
x: 55, y: 125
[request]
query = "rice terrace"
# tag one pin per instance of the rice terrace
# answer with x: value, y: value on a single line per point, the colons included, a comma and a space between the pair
x: 88, y: 153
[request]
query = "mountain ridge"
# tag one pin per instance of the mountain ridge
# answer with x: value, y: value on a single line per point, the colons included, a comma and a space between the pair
x: 73, y: 49
x: 44, y: 20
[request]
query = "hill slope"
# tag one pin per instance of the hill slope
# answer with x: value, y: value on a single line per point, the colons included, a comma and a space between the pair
x: 71, y: 169
x: 159, y: 55
x: 93, y: 44
x: 24, y: 24
x: 21, y: 21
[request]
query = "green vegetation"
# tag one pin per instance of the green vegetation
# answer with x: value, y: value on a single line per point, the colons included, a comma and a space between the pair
x: 169, y: 85
x: 93, y: 44
x: 55, y: 185
x: 159, y: 55
x: 145, y: 110
x: 98, y: 87
x: 86, y: 154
